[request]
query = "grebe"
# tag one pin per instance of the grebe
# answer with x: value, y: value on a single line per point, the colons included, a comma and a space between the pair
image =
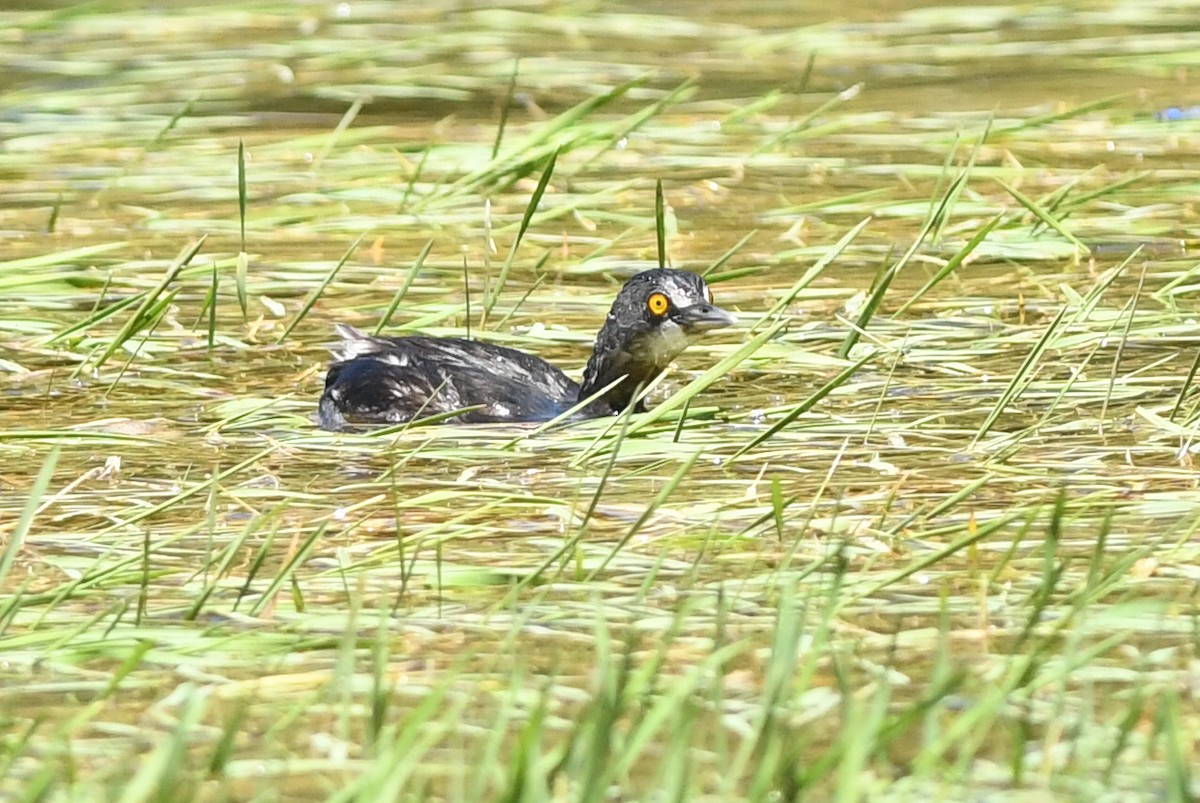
x: 388, y: 380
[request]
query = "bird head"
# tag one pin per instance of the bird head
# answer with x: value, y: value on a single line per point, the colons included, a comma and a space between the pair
x: 655, y: 316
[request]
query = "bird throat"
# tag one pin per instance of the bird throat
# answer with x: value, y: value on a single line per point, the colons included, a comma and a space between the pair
x: 639, y: 361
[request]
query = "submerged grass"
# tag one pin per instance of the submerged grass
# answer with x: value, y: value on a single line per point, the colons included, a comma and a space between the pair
x: 923, y: 529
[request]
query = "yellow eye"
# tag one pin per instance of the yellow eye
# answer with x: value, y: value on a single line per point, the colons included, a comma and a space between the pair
x: 657, y: 304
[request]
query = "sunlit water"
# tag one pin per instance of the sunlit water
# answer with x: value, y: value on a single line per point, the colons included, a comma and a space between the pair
x: 119, y: 132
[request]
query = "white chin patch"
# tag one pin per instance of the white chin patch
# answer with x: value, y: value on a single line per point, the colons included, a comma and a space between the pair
x: 667, y: 343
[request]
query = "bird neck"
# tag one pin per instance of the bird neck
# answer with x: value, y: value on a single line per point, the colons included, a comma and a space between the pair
x: 619, y: 352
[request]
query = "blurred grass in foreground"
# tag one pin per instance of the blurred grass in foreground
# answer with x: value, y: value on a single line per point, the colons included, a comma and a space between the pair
x: 924, y: 529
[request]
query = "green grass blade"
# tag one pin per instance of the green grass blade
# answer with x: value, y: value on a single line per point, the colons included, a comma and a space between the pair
x: 530, y: 208
x: 785, y: 301
x: 881, y: 286
x: 721, y: 260
x: 635, y: 528
x: 942, y: 215
x: 142, y: 314
x: 954, y: 262
x: 330, y: 143
x: 1042, y: 215
x: 806, y: 405
x: 417, y: 172
x: 505, y: 107
x: 241, y: 191
x: 33, y: 502
x: 319, y: 289
x: 158, y: 772
x: 660, y: 223
x: 1022, y: 376
x: 702, y: 382
x: 288, y: 569
x: 413, y: 272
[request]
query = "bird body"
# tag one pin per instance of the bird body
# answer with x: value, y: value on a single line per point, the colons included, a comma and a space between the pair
x: 386, y: 380
x: 393, y: 379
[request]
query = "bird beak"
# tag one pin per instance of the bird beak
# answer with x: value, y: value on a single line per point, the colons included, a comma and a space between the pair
x: 702, y: 317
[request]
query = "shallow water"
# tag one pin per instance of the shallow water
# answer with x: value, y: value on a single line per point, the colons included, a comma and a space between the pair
x: 493, y: 552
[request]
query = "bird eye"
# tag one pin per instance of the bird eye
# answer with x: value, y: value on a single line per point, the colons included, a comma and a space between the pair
x: 657, y: 304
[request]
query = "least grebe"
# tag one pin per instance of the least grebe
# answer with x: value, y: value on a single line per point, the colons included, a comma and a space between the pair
x: 386, y: 380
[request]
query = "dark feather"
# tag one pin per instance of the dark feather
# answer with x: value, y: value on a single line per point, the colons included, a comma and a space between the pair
x: 394, y: 379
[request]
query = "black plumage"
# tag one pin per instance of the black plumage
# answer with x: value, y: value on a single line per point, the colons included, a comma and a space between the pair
x: 394, y: 379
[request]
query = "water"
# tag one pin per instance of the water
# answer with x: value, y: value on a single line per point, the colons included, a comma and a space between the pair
x: 503, y: 560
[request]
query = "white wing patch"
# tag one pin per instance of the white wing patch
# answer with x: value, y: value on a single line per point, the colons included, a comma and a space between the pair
x: 355, y: 343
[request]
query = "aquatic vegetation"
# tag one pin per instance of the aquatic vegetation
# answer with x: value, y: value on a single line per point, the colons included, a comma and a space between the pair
x: 922, y: 528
